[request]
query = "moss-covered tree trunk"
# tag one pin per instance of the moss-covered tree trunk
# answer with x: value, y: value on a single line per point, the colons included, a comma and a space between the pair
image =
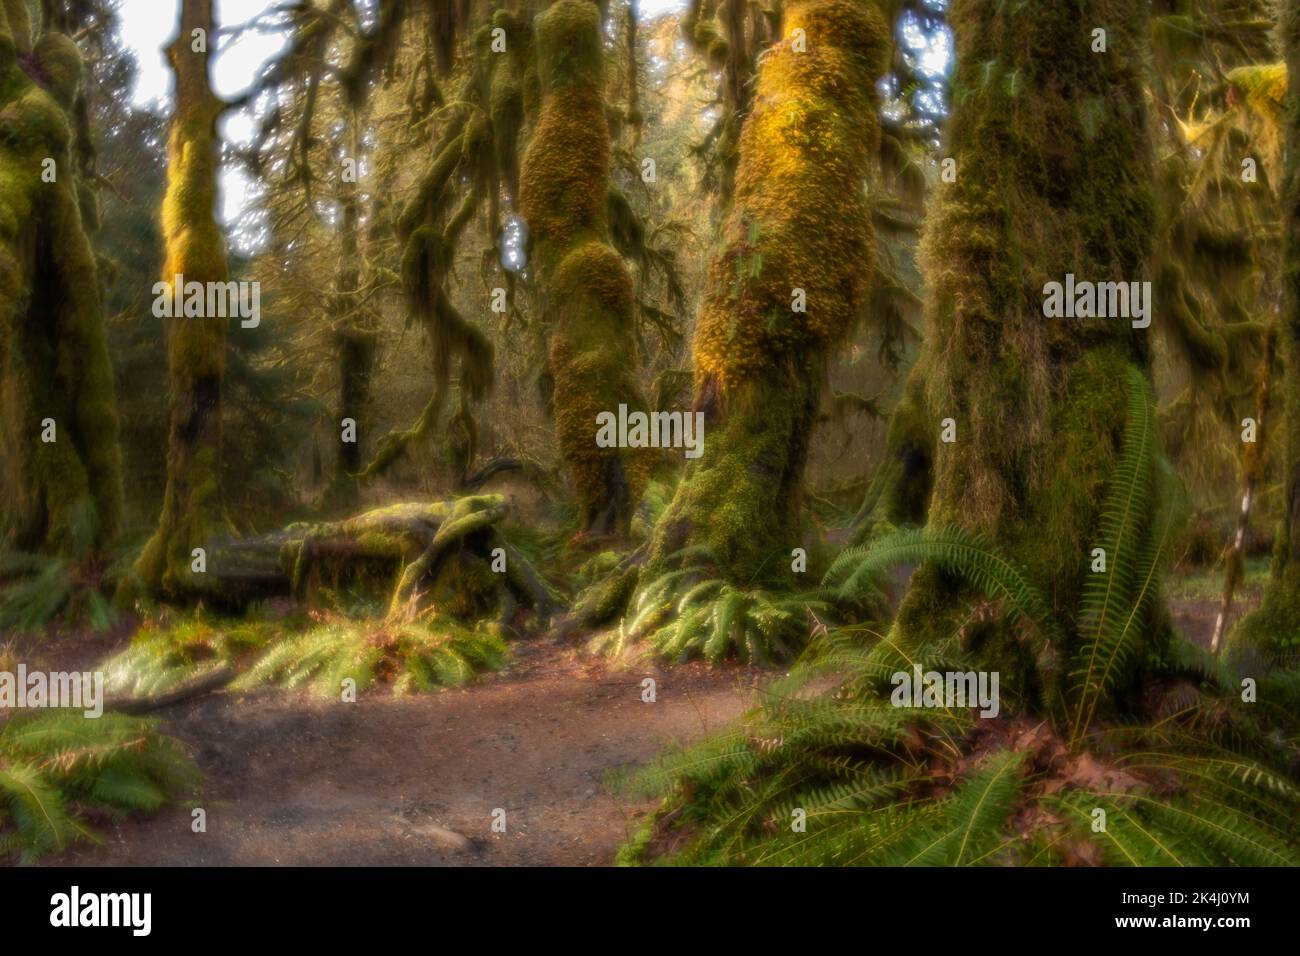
x: 1054, y: 164
x: 60, y: 464
x: 789, y: 282
x: 586, y: 289
x: 196, y: 250
x: 1274, y: 629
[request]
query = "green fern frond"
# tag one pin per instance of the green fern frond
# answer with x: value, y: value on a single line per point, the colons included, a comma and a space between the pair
x: 423, y: 654
x: 57, y: 763
x: 962, y: 554
x: 1115, y: 604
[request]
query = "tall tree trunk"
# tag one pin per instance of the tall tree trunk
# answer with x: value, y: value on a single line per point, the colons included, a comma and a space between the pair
x: 798, y: 235
x: 1274, y: 629
x: 60, y: 464
x: 587, y: 295
x: 191, y: 508
x: 1054, y: 164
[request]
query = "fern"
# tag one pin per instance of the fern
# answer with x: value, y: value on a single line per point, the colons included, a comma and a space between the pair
x: 714, y: 619
x: 679, y: 615
x: 37, y: 588
x: 59, y: 765
x: 1115, y: 604
x: 422, y: 654
x: 1209, y: 782
x: 960, y: 553
x: 159, y: 659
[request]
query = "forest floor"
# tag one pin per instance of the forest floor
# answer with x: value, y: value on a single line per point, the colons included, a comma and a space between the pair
x: 296, y: 779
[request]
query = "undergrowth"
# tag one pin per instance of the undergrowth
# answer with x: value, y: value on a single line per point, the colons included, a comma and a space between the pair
x: 35, y: 589
x: 60, y: 769
x: 691, y: 612
x: 1132, y: 749
x: 415, y: 655
x: 320, y: 651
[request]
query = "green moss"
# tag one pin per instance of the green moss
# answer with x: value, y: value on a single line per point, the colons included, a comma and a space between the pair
x: 799, y: 220
x: 195, y: 245
x: 60, y: 65
x: 899, y: 493
x: 15, y: 31
x: 1054, y: 177
x: 1273, y: 630
x: 587, y: 290
x: 1269, y: 636
x: 54, y: 360
x: 570, y: 51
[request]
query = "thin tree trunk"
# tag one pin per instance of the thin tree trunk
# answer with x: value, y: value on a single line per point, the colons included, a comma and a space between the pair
x: 1252, y: 468
x: 196, y: 250
x: 635, y: 119
x: 1274, y: 628
x: 354, y: 329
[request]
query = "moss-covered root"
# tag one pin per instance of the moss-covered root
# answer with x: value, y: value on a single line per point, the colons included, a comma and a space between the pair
x: 789, y: 282
x: 60, y: 467
x: 1274, y: 630
x: 586, y: 288
x: 195, y: 346
x: 1053, y: 156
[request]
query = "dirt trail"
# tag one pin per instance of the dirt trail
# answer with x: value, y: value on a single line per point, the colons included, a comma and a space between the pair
x: 293, y: 779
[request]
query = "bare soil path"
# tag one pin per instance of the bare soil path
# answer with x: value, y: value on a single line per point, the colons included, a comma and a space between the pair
x: 414, y: 780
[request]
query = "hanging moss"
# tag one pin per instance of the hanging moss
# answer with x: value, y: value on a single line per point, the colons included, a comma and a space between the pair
x: 480, y: 144
x: 191, y: 508
x: 800, y: 220
x: 731, y: 35
x: 586, y: 288
x: 514, y: 95
x: 65, y: 495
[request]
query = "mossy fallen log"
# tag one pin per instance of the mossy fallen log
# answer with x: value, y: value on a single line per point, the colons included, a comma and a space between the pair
x: 447, y: 553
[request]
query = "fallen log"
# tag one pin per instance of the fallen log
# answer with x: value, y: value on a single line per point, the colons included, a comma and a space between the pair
x: 415, y: 553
